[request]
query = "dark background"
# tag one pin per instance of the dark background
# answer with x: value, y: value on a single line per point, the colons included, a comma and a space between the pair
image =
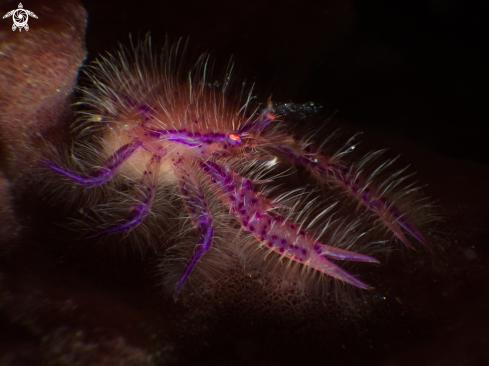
x: 416, y: 69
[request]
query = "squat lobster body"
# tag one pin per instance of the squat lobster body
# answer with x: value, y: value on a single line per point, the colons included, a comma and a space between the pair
x: 157, y: 126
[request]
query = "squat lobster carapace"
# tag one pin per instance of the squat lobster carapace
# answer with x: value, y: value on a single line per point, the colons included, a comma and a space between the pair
x: 158, y: 126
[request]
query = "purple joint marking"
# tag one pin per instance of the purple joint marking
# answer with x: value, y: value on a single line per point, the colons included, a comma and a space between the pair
x: 143, y: 108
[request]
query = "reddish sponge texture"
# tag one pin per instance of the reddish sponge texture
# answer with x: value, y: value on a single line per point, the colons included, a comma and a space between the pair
x: 38, y: 71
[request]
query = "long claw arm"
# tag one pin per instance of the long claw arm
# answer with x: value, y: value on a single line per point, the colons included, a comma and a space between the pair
x: 280, y: 235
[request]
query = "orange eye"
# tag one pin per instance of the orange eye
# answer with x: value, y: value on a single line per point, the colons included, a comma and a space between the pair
x: 233, y: 139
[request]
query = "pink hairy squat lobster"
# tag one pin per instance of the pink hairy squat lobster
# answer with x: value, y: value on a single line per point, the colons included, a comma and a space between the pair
x: 159, y: 128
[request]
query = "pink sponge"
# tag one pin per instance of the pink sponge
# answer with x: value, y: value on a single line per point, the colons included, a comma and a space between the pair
x: 38, y: 71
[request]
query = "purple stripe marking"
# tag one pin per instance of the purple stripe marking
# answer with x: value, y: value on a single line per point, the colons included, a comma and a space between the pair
x: 188, y: 138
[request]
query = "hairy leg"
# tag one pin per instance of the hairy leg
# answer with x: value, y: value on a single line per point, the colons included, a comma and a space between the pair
x: 106, y: 172
x: 332, y: 170
x: 199, y: 214
x: 143, y: 201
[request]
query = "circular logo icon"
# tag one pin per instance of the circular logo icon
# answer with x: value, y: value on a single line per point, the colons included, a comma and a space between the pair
x: 20, y: 17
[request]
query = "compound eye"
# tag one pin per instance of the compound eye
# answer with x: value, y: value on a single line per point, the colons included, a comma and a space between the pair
x: 233, y: 139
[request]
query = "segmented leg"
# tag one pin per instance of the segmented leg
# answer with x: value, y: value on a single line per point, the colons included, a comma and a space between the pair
x: 280, y: 235
x: 199, y: 214
x: 334, y: 171
x: 143, y: 201
x: 106, y: 172
x: 362, y: 189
